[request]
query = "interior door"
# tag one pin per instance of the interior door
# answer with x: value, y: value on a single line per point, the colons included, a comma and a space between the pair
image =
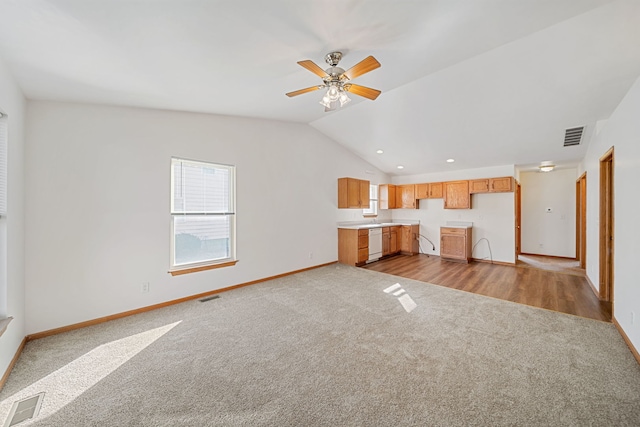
x: 606, y: 227
x: 518, y: 197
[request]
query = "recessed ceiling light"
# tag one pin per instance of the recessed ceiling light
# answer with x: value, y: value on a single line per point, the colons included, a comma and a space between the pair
x: 450, y: 160
x: 400, y: 167
x: 379, y: 151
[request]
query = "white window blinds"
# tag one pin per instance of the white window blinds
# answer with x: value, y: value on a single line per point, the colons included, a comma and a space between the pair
x: 203, y: 212
x: 201, y: 188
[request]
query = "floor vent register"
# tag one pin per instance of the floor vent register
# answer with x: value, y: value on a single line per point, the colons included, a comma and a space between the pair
x: 24, y: 409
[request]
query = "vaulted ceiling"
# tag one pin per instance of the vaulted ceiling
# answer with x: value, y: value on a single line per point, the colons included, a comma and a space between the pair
x: 486, y: 82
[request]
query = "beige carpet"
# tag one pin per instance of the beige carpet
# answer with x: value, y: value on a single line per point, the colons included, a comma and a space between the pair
x: 329, y: 348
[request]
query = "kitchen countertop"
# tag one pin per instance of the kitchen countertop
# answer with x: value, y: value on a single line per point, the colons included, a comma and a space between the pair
x: 458, y: 224
x: 368, y: 226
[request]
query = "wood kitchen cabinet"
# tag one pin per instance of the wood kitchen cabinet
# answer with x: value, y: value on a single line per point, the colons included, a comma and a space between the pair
x: 435, y: 190
x: 479, y: 186
x: 501, y: 185
x: 456, y: 195
x: 353, y: 193
x: 455, y: 243
x: 409, y: 244
x: 353, y: 246
x: 422, y: 191
x: 406, y: 197
x: 431, y: 190
x: 390, y: 240
x: 387, y: 196
x: 491, y: 185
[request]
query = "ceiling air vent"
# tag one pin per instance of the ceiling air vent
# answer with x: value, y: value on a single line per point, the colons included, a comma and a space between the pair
x: 573, y: 136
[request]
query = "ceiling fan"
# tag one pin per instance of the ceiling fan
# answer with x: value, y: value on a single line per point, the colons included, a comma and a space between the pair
x: 336, y: 80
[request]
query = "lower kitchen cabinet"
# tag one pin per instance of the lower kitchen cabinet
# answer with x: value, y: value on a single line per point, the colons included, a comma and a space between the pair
x: 455, y: 243
x: 390, y: 240
x: 409, y: 235
x: 353, y: 246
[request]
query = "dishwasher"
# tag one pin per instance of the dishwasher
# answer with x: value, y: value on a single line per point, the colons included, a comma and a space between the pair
x: 375, y: 244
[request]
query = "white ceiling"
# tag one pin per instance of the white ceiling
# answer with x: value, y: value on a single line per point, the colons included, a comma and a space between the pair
x: 487, y: 82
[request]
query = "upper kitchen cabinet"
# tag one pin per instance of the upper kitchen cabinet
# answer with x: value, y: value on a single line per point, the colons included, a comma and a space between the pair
x: 491, y: 185
x: 387, y: 196
x: 422, y: 191
x: 479, y: 186
x: 456, y: 195
x: 435, y: 190
x: 353, y: 193
x: 406, y: 196
x: 431, y: 190
x: 501, y: 185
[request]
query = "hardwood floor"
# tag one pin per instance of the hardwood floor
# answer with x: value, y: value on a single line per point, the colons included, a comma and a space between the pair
x: 552, y: 290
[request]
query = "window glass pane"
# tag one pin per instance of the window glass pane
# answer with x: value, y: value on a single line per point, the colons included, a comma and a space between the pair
x: 373, y: 192
x: 199, y: 187
x: 373, y: 201
x: 201, y: 238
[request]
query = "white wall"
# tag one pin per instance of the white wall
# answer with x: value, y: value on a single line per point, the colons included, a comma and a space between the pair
x: 622, y: 131
x: 549, y: 233
x: 12, y: 286
x: 97, y: 204
x: 492, y: 214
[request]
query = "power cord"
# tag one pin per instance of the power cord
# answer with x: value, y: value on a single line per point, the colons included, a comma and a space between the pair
x: 433, y: 247
x: 488, y: 245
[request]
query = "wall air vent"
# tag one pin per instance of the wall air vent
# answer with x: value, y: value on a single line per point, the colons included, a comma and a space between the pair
x: 573, y: 136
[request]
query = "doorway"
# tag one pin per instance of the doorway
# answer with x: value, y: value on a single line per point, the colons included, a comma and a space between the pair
x: 518, y: 196
x: 581, y: 220
x: 606, y: 226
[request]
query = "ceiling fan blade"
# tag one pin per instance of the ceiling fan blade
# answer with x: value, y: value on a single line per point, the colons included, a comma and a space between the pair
x: 301, y: 91
x: 314, y: 68
x: 368, y: 64
x: 364, y: 91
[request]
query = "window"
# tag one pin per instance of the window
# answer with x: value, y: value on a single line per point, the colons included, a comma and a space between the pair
x: 202, y: 215
x: 373, y: 202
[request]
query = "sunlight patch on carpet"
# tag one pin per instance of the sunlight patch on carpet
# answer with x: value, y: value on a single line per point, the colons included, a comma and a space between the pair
x: 405, y: 300
x: 66, y: 384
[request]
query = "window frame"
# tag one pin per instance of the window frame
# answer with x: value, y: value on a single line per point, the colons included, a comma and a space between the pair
x: 191, y: 267
x: 373, y: 202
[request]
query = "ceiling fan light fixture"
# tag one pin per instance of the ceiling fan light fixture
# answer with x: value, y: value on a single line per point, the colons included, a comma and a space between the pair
x: 336, y: 79
x: 333, y: 93
x: 344, y: 99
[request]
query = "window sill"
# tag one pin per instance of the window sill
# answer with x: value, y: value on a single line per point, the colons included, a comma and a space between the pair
x: 4, y: 323
x: 202, y: 268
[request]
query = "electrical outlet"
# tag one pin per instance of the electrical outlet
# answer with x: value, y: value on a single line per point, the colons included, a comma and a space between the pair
x: 310, y: 255
x: 145, y: 287
x: 541, y: 245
